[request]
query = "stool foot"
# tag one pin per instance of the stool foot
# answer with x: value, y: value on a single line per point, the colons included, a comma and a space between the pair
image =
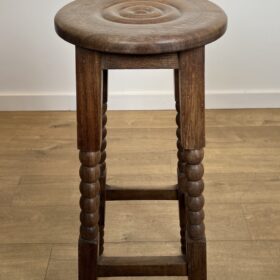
x: 87, y: 260
x: 196, y: 260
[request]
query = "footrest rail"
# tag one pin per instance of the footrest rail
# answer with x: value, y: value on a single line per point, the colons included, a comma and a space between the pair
x: 142, y: 266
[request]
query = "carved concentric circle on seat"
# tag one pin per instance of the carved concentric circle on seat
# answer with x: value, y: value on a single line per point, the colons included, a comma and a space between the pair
x: 140, y: 26
x: 141, y: 12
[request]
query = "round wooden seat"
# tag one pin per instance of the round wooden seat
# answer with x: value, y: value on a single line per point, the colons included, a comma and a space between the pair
x: 140, y: 26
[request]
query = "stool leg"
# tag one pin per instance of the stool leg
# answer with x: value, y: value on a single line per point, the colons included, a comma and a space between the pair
x: 181, y: 167
x: 89, y: 126
x: 103, y: 164
x: 192, y: 133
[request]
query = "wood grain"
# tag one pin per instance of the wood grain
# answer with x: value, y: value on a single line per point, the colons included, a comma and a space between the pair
x: 103, y: 168
x: 246, y: 174
x: 256, y: 259
x: 264, y: 214
x: 181, y: 176
x: 89, y: 100
x: 24, y: 261
x: 192, y: 99
x: 90, y: 135
x: 141, y: 193
x: 140, y: 27
x: 160, y: 61
x: 142, y: 266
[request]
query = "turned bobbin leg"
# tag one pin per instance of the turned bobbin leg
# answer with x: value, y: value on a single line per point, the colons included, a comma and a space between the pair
x: 192, y: 134
x: 180, y: 168
x: 89, y: 125
x: 103, y: 164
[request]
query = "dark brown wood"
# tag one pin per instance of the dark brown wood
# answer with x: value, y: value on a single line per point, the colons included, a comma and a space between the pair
x: 145, y: 27
x: 140, y: 193
x: 117, y: 34
x: 196, y: 259
x: 87, y: 260
x: 142, y: 266
x: 91, y: 118
x: 160, y: 61
x: 192, y: 99
x: 89, y: 108
x: 103, y: 169
x: 89, y: 99
x: 181, y: 178
x: 193, y: 189
x: 192, y: 134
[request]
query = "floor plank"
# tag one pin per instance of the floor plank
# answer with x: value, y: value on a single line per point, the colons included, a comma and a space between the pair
x: 24, y: 262
x: 263, y: 220
x: 253, y: 260
x: 39, y: 191
x: 8, y: 189
x: 250, y: 260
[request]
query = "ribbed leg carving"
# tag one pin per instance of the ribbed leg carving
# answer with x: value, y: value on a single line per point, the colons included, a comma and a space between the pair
x: 194, y: 201
x: 181, y: 176
x: 89, y: 203
x: 89, y: 188
x: 103, y: 180
x: 194, y: 188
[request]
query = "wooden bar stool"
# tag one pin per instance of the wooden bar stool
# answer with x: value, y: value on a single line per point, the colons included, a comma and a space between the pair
x: 140, y: 34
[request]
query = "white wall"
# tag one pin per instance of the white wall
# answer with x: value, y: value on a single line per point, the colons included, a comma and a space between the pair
x: 37, y: 67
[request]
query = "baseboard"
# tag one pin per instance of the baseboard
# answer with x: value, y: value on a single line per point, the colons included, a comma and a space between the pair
x: 41, y: 101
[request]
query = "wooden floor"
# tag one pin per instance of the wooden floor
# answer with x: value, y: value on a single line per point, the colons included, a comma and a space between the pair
x: 39, y: 192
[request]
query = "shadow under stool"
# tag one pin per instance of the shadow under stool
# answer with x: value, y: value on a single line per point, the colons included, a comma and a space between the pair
x: 141, y: 34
